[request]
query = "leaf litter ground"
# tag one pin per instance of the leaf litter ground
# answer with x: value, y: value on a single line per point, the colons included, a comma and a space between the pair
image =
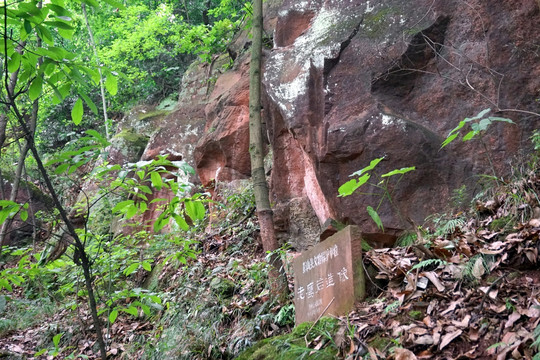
x: 470, y: 293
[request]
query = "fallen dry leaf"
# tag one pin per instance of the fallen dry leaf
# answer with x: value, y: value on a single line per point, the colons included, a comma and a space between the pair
x: 515, y: 316
x: 448, y: 337
x: 404, y: 354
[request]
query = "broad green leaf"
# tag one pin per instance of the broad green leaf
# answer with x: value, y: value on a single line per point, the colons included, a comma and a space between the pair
x: 146, y: 309
x: 460, y: 125
x: 131, y: 269
x: 180, y: 221
x: 371, y: 166
x: 59, y: 25
x: 144, y: 189
x: 142, y: 207
x: 350, y: 186
x: 155, y: 299
x: 131, y: 310
x: 24, y: 215
x: 77, y: 112
x: 40, y: 352
x: 156, y: 180
x: 35, y: 89
x: 98, y: 137
x: 45, y: 35
x: 14, y: 62
x: 4, y: 283
x: 120, y: 207
x: 27, y: 26
x: 66, y: 34
x: 449, y: 139
x: 375, y: 217
x: 88, y: 102
x: 496, y: 118
x: 194, y: 209
x: 111, y: 84
x: 160, y: 222
x: 141, y: 174
x: 481, y: 114
x: 146, y: 266
x: 470, y: 135
x: 399, y: 171
x: 483, y: 124
x: 56, y: 339
x: 131, y: 211
x: 113, y: 315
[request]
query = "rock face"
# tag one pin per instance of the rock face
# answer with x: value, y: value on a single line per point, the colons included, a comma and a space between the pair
x: 350, y: 82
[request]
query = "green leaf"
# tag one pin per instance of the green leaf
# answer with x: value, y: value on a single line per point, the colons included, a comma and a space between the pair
x: 88, y: 102
x: 113, y: 315
x: 92, y: 3
x: 98, y: 137
x: 375, y: 217
x: 59, y: 25
x: 449, y: 139
x: 146, y: 309
x: 27, y: 26
x: 61, y: 168
x: 119, y: 208
x: 180, y: 221
x: 56, y: 339
x: 194, y: 209
x: 399, y: 171
x: 131, y: 269
x: 131, y: 310
x: 142, y: 207
x: 371, y: 165
x: 350, y: 186
x: 4, y: 284
x: 116, y: 4
x: 155, y: 299
x: 40, y: 352
x: 24, y: 215
x: 77, y: 112
x: 156, y: 180
x: 470, y: 135
x: 481, y: 114
x: 111, y: 84
x: 14, y: 62
x: 496, y: 118
x: 131, y: 211
x: 35, y: 89
x: 147, y: 266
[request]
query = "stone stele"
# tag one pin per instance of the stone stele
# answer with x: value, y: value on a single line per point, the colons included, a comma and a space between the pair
x: 329, y: 277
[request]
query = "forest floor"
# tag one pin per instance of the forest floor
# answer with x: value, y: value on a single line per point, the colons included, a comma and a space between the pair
x: 466, y: 288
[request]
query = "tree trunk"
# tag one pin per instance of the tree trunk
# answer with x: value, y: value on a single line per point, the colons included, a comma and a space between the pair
x: 279, y: 285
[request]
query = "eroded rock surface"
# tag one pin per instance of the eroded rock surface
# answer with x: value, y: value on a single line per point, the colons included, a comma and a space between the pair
x: 347, y: 82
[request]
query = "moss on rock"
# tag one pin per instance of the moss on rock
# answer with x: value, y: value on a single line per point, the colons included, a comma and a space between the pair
x: 293, y: 345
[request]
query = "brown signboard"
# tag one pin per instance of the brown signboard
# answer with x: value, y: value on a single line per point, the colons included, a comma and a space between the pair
x: 329, y: 277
